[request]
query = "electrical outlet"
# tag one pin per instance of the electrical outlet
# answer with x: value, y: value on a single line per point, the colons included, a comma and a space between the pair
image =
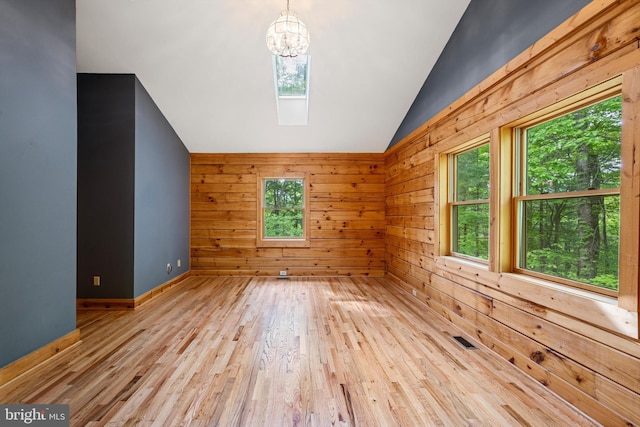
x: 415, y: 293
x: 96, y: 280
x: 283, y: 272
x: 179, y: 263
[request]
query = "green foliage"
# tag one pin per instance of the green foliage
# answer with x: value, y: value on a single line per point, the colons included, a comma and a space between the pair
x: 283, y: 208
x: 471, y: 221
x: 577, y: 151
x: 471, y: 230
x: 557, y: 242
x: 574, y: 237
x: 291, y: 75
x: 472, y: 174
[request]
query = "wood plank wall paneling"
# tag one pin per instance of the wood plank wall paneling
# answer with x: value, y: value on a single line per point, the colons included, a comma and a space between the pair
x: 596, y: 370
x: 347, y: 215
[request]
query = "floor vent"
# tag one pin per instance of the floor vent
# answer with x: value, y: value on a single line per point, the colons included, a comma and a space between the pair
x: 466, y: 344
x: 282, y: 278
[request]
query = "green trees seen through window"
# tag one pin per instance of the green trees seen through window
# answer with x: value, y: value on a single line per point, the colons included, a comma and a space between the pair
x: 291, y: 75
x: 283, y: 208
x: 470, y: 208
x: 571, y: 209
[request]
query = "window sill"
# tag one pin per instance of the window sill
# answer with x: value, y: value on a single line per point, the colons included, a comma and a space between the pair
x: 282, y: 243
x: 454, y: 262
x: 559, y: 287
x: 590, y: 307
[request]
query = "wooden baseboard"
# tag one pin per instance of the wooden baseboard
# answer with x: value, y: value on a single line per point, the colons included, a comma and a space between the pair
x: 128, y: 303
x: 33, y: 359
x: 148, y: 296
x: 105, y: 304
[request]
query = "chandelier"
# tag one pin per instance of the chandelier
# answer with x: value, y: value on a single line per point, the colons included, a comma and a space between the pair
x: 288, y: 36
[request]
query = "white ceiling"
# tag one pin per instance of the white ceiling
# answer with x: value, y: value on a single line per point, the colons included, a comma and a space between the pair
x: 206, y: 65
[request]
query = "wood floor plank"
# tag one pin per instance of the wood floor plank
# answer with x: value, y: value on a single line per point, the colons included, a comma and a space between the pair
x: 232, y: 351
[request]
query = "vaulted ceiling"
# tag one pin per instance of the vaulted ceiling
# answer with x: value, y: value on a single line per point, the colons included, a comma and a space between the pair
x: 206, y: 65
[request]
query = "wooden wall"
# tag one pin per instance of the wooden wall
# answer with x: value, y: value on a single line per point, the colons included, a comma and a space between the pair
x: 585, y: 351
x: 347, y: 218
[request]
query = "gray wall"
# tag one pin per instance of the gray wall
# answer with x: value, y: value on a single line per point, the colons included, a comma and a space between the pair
x: 37, y: 174
x: 490, y: 34
x: 133, y: 191
x: 161, y: 198
x: 106, y: 147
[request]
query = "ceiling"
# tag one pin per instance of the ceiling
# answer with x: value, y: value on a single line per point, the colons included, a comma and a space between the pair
x: 206, y: 65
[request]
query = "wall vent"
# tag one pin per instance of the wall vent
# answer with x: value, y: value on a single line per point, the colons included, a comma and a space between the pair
x: 464, y: 343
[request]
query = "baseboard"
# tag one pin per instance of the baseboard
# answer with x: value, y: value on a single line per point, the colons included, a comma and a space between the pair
x: 158, y: 290
x: 33, y: 359
x: 105, y: 304
x: 128, y: 303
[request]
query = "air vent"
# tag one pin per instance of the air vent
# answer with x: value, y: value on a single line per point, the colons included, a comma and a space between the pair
x: 464, y: 343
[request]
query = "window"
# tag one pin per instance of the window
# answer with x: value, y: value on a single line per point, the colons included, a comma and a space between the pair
x: 282, y: 217
x: 568, y: 197
x: 562, y: 206
x: 469, y: 202
x: 292, y: 74
x: 463, y: 201
x: 283, y: 209
x: 291, y: 80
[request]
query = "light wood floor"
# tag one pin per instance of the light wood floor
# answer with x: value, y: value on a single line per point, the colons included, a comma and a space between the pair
x: 268, y: 352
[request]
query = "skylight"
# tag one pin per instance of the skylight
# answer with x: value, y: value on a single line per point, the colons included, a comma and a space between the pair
x: 291, y: 75
x: 291, y: 79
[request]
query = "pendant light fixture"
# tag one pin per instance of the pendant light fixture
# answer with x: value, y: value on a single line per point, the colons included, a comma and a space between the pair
x: 288, y: 36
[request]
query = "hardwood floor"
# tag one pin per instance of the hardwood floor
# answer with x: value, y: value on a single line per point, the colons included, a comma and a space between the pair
x: 265, y: 352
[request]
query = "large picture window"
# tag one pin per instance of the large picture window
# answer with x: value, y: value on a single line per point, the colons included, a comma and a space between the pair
x: 568, y: 201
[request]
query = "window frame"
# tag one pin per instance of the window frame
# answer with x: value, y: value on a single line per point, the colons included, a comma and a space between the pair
x: 288, y: 242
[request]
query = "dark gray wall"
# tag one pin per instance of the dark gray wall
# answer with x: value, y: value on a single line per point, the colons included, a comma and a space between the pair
x: 161, y: 197
x: 133, y: 191
x: 37, y: 174
x: 106, y: 147
x: 490, y: 34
